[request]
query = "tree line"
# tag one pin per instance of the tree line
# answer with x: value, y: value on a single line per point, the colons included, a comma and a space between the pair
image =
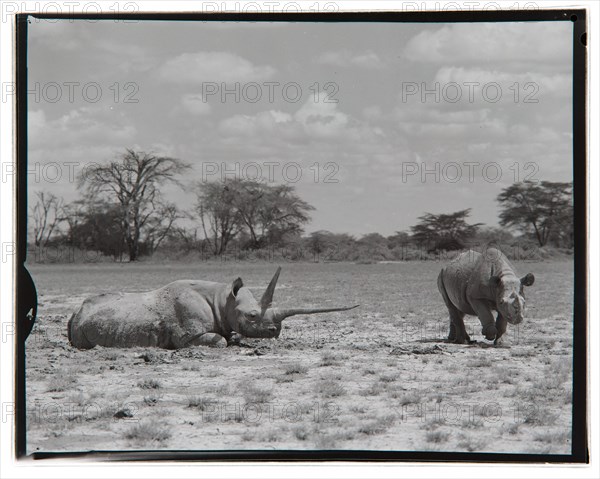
x: 122, y: 212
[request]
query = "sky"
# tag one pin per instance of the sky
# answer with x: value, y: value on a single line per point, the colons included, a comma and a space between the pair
x: 374, y: 124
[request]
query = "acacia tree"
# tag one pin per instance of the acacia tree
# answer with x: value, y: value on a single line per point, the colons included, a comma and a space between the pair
x: 214, y: 207
x: 46, y: 215
x: 133, y: 183
x: 264, y: 214
x: 543, y: 210
x: 282, y: 213
x: 249, y: 198
x: 444, y: 231
x: 326, y: 245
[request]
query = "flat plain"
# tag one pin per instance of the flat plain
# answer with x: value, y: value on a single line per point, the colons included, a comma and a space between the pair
x: 380, y: 377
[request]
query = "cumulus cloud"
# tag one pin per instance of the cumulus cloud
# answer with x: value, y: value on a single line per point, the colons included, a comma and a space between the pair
x: 321, y: 117
x: 83, y: 126
x: 346, y: 58
x: 317, y: 120
x: 195, y: 104
x: 212, y: 67
x: 533, y: 84
x: 518, y: 44
x: 251, y: 125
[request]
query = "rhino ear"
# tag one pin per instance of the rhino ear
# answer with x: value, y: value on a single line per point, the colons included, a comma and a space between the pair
x: 494, y: 281
x: 235, y: 287
x: 528, y: 279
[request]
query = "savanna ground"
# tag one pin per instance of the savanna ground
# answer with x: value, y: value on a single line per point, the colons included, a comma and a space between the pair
x: 379, y: 377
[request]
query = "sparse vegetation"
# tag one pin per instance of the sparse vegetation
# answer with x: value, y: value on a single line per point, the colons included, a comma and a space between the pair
x: 254, y: 394
x: 376, y: 426
x: 412, y: 397
x: 368, y: 398
x: 295, y: 368
x: 471, y: 443
x: 539, y: 416
x: 148, y: 431
x: 328, y: 358
x: 480, y: 362
x: 61, y: 381
x: 200, y: 403
x: 149, y: 384
x: 152, y: 399
x: 301, y: 433
x: 553, y: 437
x: 328, y: 389
x: 437, y: 436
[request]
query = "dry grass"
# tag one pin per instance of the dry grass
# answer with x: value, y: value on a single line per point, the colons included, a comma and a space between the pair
x: 333, y: 373
x: 148, y: 432
x: 61, y: 381
x: 149, y: 384
x: 254, y: 394
x: 200, y: 403
x: 437, y: 436
x: 328, y: 389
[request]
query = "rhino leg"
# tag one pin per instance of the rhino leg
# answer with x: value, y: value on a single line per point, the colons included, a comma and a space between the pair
x: 484, y: 313
x: 458, y: 333
x: 235, y: 339
x: 501, y: 324
x: 212, y: 340
x: 458, y: 325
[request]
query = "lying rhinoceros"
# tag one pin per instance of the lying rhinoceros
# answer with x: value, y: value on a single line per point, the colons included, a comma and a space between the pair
x: 182, y: 313
x: 478, y: 284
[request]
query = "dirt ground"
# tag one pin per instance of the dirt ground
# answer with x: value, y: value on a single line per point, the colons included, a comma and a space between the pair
x: 380, y: 377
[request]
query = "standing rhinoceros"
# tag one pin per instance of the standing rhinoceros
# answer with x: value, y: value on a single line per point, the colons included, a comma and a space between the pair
x: 182, y: 313
x: 478, y: 284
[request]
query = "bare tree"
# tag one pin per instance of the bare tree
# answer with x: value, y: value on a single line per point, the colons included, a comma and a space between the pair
x: 47, y: 214
x: 160, y: 225
x: 74, y: 214
x: 133, y: 181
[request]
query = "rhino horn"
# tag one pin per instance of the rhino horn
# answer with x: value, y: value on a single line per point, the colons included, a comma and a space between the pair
x: 280, y: 314
x: 267, y: 298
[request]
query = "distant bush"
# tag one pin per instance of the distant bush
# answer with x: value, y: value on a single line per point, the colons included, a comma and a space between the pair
x: 340, y: 248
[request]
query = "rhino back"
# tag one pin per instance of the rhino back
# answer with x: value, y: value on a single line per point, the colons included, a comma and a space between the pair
x: 155, y: 318
x: 116, y: 320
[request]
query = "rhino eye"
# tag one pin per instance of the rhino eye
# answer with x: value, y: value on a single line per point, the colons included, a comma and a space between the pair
x: 252, y: 315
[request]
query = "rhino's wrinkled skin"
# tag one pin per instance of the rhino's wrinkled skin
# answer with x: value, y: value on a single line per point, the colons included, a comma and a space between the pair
x: 182, y: 313
x: 477, y: 284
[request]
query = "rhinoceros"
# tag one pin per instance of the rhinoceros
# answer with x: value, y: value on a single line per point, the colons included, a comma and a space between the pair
x: 182, y: 313
x: 477, y: 284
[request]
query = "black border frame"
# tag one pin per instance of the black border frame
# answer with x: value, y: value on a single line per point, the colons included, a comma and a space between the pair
x: 26, y: 298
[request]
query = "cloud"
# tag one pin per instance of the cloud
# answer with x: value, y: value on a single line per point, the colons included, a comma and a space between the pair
x: 212, y: 67
x: 83, y: 126
x: 251, y: 125
x: 195, y: 104
x: 518, y: 45
x: 345, y: 58
x: 513, y: 86
x: 318, y: 120
x: 321, y: 117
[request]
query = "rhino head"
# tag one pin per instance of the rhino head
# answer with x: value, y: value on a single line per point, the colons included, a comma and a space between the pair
x: 510, y: 300
x: 252, y: 319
